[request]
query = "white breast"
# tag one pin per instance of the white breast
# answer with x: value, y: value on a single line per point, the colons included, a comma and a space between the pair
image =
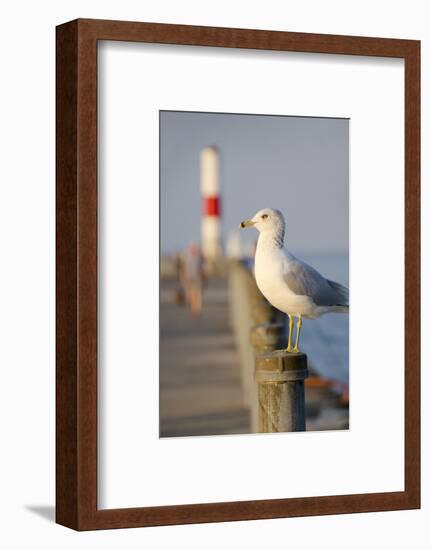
x: 270, y: 264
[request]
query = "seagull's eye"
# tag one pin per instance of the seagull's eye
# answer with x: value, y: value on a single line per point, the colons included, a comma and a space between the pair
x: 264, y: 216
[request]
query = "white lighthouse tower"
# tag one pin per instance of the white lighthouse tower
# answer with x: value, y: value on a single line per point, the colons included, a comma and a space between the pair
x: 210, y: 190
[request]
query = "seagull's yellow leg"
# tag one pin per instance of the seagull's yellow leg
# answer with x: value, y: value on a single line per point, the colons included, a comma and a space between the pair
x: 289, y: 341
x: 298, y: 331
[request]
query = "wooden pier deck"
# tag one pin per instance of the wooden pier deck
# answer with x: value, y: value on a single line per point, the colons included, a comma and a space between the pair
x: 200, y: 384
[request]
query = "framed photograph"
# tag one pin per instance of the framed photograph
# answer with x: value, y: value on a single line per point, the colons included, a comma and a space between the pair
x: 238, y: 274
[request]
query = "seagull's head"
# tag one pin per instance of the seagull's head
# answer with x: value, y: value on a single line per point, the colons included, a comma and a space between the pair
x: 268, y: 220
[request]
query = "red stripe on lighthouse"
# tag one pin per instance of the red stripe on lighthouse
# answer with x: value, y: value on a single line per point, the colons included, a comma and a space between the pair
x: 211, y: 206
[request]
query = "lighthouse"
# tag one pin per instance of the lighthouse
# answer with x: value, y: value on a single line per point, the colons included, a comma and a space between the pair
x: 210, y: 191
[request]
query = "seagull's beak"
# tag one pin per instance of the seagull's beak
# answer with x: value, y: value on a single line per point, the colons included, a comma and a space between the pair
x: 247, y: 223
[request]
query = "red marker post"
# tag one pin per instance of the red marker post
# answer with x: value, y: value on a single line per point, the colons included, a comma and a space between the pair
x: 210, y: 190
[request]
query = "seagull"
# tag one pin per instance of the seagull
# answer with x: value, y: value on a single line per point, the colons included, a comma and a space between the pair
x: 289, y: 284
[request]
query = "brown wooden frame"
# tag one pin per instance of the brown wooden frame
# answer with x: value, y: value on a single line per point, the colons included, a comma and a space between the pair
x: 76, y: 374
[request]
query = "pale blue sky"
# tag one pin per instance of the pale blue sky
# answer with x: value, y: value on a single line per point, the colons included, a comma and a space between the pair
x: 298, y: 165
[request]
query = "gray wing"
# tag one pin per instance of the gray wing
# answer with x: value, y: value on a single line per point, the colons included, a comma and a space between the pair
x: 304, y: 280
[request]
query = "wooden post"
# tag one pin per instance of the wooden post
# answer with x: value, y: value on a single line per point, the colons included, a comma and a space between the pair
x: 242, y: 322
x: 266, y: 337
x: 263, y: 337
x: 262, y: 312
x: 280, y: 379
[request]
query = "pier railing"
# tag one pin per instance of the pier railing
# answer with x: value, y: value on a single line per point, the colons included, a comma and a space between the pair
x: 272, y: 379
